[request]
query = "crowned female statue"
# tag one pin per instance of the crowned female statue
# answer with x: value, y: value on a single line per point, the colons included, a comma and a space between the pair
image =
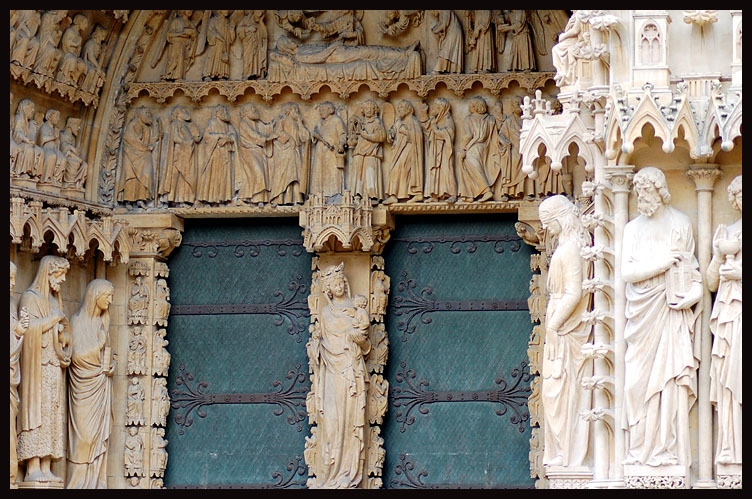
x: 339, y: 387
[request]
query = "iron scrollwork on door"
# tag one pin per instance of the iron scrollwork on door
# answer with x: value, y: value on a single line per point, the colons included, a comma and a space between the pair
x: 411, y: 396
x: 293, y: 308
x: 456, y: 241
x: 253, y: 246
x: 405, y: 469
x: 420, y: 305
x: 292, y: 398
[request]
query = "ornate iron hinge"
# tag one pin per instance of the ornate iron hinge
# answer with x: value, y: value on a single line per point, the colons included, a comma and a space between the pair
x: 295, y: 308
x: 412, y: 396
x: 290, y: 398
x: 418, y: 305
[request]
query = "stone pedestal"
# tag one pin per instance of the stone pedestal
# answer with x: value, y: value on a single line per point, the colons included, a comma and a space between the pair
x: 40, y: 485
x: 49, y: 187
x: 569, y: 477
x: 656, y: 477
x: 28, y: 183
x: 728, y: 476
x: 73, y: 192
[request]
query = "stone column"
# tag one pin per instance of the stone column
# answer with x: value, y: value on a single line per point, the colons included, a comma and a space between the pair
x: 704, y: 176
x: 620, y: 179
x: 145, y: 311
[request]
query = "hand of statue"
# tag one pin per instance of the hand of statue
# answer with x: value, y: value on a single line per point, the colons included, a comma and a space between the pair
x: 674, y: 256
x: 23, y: 321
x: 111, y: 371
x: 730, y: 272
x: 689, y: 298
x: 720, y: 233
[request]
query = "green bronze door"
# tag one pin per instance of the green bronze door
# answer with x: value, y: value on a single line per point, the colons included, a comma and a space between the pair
x: 458, y: 326
x: 239, y: 371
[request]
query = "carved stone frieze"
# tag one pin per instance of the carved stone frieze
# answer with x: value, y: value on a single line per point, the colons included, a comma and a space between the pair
x: 59, y: 55
x: 161, y: 92
x: 133, y: 458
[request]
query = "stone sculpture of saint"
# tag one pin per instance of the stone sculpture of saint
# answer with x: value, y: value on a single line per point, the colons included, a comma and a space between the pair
x: 218, y: 154
x: 288, y: 165
x: 26, y: 45
x: 71, y: 66
x: 44, y: 356
x: 220, y: 35
x: 252, y: 33
x: 251, y: 177
x: 137, y: 163
x: 563, y: 53
x: 328, y: 160
x: 178, y: 184
x: 134, y: 408
x: 24, y: 135
x: 479, y: 130
x: 366, y: 139
x: 564, y: 365
x: 512, y: 182
x: 405, y: 178
x: 441, y: 179
x: 724, y: 276
x: 448, y: 30
x: 50, y: 33
x: 178, y: 40
x: 91, y: 55
x: 138, y: 302
x: 76, y: 168
x: 90, y: 389
x: 339, y: 385
x: 518, y: 54
x: 133, y: 457
x: 661, y: 358
x: 19, y: 324
x: 480, y: 46
x: 344, y: 25
x: 49, y: 140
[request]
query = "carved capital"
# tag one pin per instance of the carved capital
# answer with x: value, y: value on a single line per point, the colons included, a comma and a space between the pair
x: 704, y: 177
x: 344, y: 223
x: 154, y: 236
x: 620, y: 178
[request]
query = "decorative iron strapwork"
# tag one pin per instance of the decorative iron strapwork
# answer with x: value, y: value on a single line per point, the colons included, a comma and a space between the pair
x: 456, y: 242
x: 414, y: 395
x: 419, y: 305
x: 292, y: 398
x: 294, y: 308
x: 405, y: 469
x: 252, y: 246
x: 294, y: 466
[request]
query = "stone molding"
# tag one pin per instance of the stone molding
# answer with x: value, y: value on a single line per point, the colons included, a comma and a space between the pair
x: 268, y: 90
